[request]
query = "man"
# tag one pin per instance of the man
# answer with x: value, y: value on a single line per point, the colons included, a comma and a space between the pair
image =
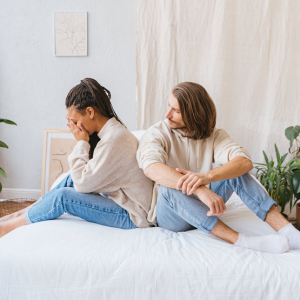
x: 178, y: 155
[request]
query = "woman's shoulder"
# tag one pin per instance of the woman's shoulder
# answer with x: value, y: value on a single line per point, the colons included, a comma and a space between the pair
x: 118, y: 133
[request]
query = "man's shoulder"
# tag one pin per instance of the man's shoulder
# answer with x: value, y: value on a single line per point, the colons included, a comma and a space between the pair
x: 161, y: 128
x: 219, y: 133
x: 161, y: 125
x: 157, y: 133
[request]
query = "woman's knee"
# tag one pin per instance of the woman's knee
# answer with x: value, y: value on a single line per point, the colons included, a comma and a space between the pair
x: 62, y: 195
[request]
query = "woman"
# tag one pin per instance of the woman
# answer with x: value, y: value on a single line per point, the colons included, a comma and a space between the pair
x: 105, y: 184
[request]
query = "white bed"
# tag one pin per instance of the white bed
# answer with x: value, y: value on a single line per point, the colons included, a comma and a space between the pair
x: 69, y: 258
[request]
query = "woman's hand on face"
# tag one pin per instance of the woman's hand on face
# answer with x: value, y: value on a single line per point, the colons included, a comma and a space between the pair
x: 78, y: 131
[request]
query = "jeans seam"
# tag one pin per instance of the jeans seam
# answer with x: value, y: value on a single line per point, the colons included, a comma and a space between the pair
x: 97, y: 209
x: 49, y: 212
x: 183, y: 209
x: 217, y: 189
x: 76, y: 203
x: 250, y: 196
x: 124, y: 221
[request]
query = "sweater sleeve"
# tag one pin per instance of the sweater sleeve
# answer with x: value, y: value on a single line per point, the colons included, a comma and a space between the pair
x: 226, y: 149
x: 153, y: 148
x: 98, y: 173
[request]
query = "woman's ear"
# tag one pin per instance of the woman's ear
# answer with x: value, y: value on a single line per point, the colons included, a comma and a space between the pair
x: 91, y: 112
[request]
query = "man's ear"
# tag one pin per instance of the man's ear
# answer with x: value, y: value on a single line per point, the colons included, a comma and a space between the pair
x: 91, y: 112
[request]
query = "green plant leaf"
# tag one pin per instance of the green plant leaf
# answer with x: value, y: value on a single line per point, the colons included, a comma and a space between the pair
x: 295, y: 164
x: 283, y: 157
x: 278, y: 179
x: 291, y: 145
x: 7, y: 122
x: 266, y: 157
x: 270, y: 171
x: 281, y: 196
x: 288, y: 164
x: 291, y: 200
x: 2, y: 172
x: 288, y: 177
x: 296, y: 183
x: 277, y: 156
x: 286, y: 196
x: 3, y: 145
x: 0, y: 187
x: 264, y: 180
x: 260, y: 164
x: 292, y: 132
x: 271, y: 181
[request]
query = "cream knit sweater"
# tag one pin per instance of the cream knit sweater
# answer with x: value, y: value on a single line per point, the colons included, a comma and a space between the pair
x: 162, y: 144
x: 113, y: 171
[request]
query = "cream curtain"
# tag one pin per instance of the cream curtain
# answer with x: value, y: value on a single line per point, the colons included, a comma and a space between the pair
x: 246, y: 53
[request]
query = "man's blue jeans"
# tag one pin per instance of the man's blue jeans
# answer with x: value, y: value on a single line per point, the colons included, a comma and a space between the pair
x: 176, y: 211
x: 90, y: 207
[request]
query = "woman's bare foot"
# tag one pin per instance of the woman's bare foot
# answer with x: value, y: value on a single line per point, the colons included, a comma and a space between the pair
x: 2, y: 230
x: 16, y: 214
x: 7, y: 217
x: 9, y: 225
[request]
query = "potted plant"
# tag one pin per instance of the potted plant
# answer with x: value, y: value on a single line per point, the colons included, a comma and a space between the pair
x: 292, y: 134
x: 282, y: 182
x: 3, y: 145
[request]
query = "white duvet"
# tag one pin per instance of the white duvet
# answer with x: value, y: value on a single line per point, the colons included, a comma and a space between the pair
x: 69, y: 258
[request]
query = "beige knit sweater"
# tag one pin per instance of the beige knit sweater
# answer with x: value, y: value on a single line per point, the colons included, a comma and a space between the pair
x: 113, y: 171
x: 169, y: 146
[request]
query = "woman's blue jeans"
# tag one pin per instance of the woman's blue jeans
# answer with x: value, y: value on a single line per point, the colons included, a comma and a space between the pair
x: 90, y: 207
x: 176, y: 211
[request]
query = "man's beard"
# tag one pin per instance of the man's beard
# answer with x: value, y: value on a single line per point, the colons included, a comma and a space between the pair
x: 175, y: 126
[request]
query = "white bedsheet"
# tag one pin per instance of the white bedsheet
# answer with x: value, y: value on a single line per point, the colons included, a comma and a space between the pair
x: 69, y: 258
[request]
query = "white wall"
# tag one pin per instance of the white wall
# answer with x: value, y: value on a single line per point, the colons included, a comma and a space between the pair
x: 34, y: 83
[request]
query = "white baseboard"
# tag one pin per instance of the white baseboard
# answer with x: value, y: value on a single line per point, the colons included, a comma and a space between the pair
x: 8, y: 193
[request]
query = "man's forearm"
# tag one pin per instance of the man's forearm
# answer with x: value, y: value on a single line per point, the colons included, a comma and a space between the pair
x: 163, y: 175
x: 168, y: 177
x: 234, y: 168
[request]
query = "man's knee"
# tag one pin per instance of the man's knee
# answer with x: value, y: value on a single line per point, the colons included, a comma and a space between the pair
x: 163, y: 198
x: 242, y: 180
x: 163, y: 191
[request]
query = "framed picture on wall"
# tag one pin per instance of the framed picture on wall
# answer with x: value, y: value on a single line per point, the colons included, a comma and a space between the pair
x: 70, y: 33
x: 58, y: 144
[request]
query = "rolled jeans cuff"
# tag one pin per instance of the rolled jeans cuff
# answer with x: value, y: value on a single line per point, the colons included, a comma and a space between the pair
x: 26, y: 217
x: 264, y: 208
x: 208, y: 224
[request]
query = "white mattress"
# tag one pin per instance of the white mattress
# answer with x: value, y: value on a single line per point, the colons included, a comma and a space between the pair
x: 69, y: 258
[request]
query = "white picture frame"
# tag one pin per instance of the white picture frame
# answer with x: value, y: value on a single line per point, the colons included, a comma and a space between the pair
x: 70, y: 33
x: 58, y: 144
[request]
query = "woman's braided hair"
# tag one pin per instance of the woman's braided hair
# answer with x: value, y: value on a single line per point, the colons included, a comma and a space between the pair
x: 89, y: 93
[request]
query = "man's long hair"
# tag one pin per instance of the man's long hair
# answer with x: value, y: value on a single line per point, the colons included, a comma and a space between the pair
x: 89, y: 93
x: 197, y: 109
